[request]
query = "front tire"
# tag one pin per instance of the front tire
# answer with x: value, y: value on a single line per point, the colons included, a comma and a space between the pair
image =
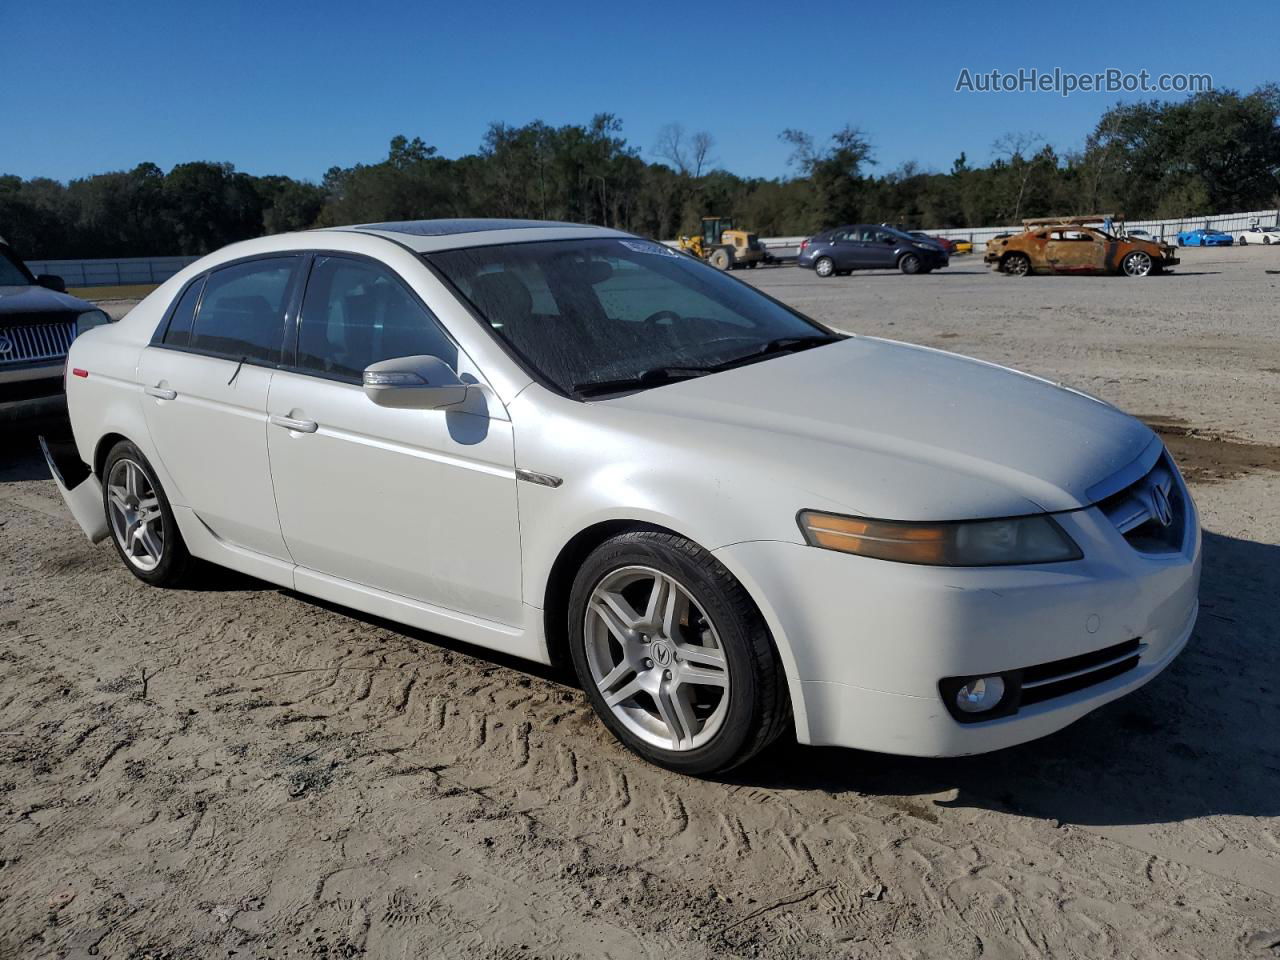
x: 1016, y: 265
x: 141, y: 522
x: 824, y: 267
x: 673, y: 654
x: 909, y: 263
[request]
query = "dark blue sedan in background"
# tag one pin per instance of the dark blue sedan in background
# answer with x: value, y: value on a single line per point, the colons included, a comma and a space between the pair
x: 841, y: 250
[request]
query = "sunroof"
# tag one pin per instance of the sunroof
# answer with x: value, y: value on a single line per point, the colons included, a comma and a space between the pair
x: 443, y: 228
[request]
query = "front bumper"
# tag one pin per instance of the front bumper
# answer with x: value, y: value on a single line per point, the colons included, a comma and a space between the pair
x: 866, y: 642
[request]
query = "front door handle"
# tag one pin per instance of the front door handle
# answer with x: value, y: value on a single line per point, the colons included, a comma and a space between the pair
x: 160, y: 393
x: 289, y: 423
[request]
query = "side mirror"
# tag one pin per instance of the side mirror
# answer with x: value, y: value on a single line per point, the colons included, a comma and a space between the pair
x: 51, y: 282
x: 414, y: 383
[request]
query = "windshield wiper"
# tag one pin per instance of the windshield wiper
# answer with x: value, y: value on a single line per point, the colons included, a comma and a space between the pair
x: 654, y: 377
x: 780, y: 345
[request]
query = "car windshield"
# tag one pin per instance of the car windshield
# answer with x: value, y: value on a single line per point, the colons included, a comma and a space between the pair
x: 605, y: 315
x: 12, y: 273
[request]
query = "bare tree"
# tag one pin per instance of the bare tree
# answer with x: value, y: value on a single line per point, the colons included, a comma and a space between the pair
x: 700, y: 146
x: 689, y: 155
x: 672, y: 147
x: 1014, y: 149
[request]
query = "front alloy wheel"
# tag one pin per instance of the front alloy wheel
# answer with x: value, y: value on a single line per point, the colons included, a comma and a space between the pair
x: 673, y: 654
x: 1137, y: 264
x: 909, y: 263
x: 1017, y: 265
x: 656, y: 659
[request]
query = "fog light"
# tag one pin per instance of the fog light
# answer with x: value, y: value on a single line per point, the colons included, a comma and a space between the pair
x: 980, y: 695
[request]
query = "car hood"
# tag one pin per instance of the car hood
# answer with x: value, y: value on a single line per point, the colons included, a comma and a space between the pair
x: 33, y: 299
x: 895, y: 431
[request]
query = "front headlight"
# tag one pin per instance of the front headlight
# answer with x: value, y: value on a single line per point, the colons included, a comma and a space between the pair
x: 90, y: 319
x: 969, y: 543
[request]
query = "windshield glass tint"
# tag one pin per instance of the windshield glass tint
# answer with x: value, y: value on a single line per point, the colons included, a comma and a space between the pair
x: 11, y: 275
x: 587, y: 311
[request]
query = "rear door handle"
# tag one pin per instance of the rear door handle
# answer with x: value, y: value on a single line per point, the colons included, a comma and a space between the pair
x: 160, y: 393
x: 289, y: 423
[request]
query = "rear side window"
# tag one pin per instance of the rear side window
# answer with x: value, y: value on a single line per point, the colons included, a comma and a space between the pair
x: 184, y: 313
x: 356, y: 313
x: 242, y: 313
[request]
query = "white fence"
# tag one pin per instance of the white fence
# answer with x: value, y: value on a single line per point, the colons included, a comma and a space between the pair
x: 112, y: 273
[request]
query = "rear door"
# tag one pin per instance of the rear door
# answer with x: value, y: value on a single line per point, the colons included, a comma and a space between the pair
x: 417, y: 503
x: 206, y: 382
x: 1075, y: 250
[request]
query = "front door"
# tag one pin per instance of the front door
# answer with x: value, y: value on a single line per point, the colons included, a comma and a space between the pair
x: 416, y: 503
x: 205, y: 401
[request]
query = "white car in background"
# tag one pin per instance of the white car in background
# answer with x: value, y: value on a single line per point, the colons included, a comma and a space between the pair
x: 1259, y: 234
x: 574, y: 445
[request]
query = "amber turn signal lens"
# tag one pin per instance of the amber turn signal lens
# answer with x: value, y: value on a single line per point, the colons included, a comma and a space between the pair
x: 906, y: 543
x: 975, y: 543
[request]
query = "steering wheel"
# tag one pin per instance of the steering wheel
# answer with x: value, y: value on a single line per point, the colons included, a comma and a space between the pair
x: 660, y: 315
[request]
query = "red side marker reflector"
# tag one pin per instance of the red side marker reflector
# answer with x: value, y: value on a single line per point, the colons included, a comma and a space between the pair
x: 76, y: 371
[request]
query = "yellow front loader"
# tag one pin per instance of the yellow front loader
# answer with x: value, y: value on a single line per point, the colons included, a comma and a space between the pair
x: 724, y: 247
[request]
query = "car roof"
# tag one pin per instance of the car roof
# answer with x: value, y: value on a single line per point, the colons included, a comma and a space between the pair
x: 424, y: 236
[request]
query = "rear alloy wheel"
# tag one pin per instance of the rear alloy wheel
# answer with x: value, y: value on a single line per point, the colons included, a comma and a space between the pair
x: 824, y: 267
x: 1266, y: 239
x: 1016, y: 265
x: 909, y: 263
x: 673, y: 655
x: 1136, y: 264
x: 142, y: 526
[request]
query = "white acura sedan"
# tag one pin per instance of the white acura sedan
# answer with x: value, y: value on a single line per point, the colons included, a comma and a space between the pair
x: 575, y: 445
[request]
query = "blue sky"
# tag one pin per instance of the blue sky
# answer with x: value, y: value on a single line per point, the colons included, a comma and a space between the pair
x: 297, y: 88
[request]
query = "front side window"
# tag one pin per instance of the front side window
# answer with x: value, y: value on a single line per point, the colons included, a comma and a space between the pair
x: 585, y: 313
x: 242, y: 313
x: 355, y: 313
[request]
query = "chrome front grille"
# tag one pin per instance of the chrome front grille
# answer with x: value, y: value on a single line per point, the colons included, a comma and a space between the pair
x: 1152, y: 512
x: 32, y: 343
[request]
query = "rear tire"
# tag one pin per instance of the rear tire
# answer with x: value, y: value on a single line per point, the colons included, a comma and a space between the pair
x: 1244, y: 241
x: 141, y: 522
x: 824, y: 267
x: 694, y: 681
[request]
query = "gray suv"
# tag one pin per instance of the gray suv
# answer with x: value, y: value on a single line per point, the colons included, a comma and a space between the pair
x: 863, y: 246
x: 38, y: 321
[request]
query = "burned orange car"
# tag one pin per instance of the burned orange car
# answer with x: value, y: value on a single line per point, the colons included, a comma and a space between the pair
x: 1076, y: 245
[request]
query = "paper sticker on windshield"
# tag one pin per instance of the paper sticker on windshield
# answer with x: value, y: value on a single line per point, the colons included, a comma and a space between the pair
x: 645, y: 246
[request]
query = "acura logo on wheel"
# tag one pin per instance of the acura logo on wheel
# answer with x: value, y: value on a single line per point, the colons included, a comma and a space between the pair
x: 1160, y: 506
x: 5, y: 344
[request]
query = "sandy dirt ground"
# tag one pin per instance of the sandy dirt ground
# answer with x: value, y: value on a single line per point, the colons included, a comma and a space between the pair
x: 238, y: 771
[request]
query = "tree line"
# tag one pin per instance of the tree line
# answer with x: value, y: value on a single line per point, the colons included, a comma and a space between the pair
x: 1213, y: 152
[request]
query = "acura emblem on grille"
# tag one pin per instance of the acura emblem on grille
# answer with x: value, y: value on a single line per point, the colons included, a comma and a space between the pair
x: 5, y: 345
x: 1161, y: 509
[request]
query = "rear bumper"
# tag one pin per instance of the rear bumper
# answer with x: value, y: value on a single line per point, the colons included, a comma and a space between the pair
x: 80, y: 489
